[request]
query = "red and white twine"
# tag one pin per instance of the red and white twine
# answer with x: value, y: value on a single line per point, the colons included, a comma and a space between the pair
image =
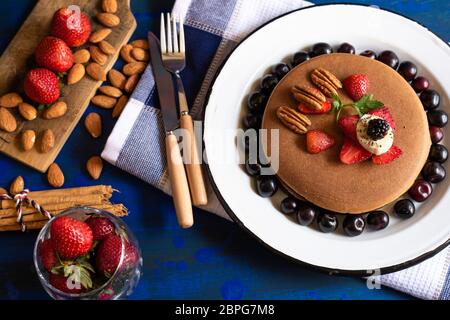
x: 20, y: 199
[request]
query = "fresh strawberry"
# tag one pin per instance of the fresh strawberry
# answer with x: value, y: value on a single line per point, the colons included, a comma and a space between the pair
x: 318, y: 141
x: 326, y: 107
x: 64, y: 284
x: 48, y: 255
x: 109, y: 253
x: 42, y: 86
x: 54, y: 54
x: 357, y: 86
x: 385, y: 158
x: 71, y: 26
x: 348, y: 125
x: 385, y: 114
x: 101, y: 227
x: 71, y: 238
x: 352, y: 152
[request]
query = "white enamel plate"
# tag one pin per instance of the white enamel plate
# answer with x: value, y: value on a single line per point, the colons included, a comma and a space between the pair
x: 403, y: 242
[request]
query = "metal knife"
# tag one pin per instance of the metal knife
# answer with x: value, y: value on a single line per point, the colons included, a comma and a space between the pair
x: 177, y: 173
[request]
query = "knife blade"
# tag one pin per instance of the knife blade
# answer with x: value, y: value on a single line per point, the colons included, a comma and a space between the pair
x: 164, y: 84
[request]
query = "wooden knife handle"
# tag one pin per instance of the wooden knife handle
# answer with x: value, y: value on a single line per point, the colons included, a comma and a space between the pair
x: 179, y: 183
x: 193, y: 168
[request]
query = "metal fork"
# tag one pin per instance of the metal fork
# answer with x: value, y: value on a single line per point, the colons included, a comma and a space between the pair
x: 173, y: 52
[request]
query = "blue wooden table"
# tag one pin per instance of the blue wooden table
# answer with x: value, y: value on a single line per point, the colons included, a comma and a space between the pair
x: 213, y: 260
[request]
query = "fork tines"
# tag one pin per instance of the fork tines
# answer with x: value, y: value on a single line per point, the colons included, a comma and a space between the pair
x: 172, y: 41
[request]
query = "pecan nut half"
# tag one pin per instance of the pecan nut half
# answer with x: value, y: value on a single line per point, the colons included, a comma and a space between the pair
x: 326, y: 81
x: 309, y: 95
x: 293, y: 119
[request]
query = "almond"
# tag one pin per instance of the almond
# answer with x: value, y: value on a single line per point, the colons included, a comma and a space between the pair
x: 27, y: 111
x: 111, y: 91
x: 28, y: 138
x: 109, y: 6
x: 140, y: 43
x: 131, y: 83
x: 76, y: 74
x: 134, y: 68
x: 10, y: 100
x: 95, y: 167
x: 93, y: 124
x: 107, y: 48
x: 47, y: 141
x: 120, y: 105
x: 98, y: 56
x: 56, y: 110
x: 117, y: 79
x: 109, y: 20
x: 55, y: 176
x: 96, y: 72
x: 104, y: 102
x: 7, y: 121
x: 17, y: 186
x: 125, y: 53
x: 140, y: 54
x: 100, y: 35
x: 81, y: 56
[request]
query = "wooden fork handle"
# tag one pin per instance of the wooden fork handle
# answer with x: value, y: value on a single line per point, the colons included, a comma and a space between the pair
x: 179, y: 183
x: 193, y: 167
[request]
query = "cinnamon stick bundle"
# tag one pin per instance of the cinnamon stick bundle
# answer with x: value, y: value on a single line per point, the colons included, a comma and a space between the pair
x: 9, y: 213
x: 57, y: 201
x: 81, y: 191
x: 118, y: 210
x: 30, y: 226
x: 76, y: 196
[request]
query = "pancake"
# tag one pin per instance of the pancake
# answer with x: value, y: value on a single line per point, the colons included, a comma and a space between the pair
x: 321, y: 178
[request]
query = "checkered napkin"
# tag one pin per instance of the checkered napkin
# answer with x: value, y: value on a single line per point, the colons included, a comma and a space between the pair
x: 214, y: 28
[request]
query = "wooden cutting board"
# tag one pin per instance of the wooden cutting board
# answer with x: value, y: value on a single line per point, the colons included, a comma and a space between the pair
x: 15, y: 62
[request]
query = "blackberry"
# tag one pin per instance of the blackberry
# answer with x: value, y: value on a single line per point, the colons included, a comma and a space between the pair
x: 377, y: 129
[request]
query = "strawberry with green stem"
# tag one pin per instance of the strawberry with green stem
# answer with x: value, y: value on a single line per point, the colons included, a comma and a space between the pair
x: 77, y: 272
x: 66, y: 255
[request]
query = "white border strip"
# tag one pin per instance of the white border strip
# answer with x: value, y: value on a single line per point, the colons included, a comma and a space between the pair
x: 122, y: 130
x: 181, y: 8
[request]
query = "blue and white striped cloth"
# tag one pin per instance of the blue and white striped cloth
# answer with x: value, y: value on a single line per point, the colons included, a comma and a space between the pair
x: 214, y: 28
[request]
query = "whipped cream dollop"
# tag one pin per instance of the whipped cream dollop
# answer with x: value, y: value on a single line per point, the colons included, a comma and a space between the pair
x: 376, y: 147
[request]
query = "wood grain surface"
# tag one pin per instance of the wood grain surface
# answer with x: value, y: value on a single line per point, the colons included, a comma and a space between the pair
x: 18, y: 58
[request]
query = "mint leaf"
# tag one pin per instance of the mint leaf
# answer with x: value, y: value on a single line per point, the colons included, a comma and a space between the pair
x: 374, y: 104
x: 336, y: 104
x: 366, y: 104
